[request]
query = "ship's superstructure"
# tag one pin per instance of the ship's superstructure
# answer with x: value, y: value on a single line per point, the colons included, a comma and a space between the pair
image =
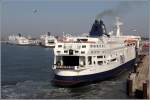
x: 18, y: 39
x: 48, y: 40
x: 96, y: 57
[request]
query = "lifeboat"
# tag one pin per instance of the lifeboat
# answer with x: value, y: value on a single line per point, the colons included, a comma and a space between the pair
x: 130, y: 41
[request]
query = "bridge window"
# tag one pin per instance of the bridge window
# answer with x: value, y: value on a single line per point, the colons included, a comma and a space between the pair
x: 82, y: 40
x: 83, y: 46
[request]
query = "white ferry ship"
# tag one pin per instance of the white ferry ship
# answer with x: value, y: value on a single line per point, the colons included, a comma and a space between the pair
x: 94, y: 57
x: 48, y: 40
x: 18, y: 39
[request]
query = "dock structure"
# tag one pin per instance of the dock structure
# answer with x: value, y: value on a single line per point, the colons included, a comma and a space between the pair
x: 138, y: 82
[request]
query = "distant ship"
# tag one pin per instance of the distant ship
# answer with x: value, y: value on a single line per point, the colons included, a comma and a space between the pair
x: 48, y: 40
x: 95, y: 57
x: 18, y: 39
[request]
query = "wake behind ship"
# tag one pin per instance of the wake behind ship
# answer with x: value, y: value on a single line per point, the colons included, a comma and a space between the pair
x: 98, y: 56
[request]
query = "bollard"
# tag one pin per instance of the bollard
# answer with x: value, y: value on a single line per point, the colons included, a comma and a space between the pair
x: 129, y: 87
x: 145, y: 90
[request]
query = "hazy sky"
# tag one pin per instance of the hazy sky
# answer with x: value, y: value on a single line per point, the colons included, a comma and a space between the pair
x: 73, y: 16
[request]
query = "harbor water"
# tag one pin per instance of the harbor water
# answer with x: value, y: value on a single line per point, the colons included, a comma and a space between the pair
x: 26, y: 73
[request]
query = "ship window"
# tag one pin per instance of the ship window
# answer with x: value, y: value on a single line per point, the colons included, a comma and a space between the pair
x: 82, y: 40
x: 82, y: 52
x: 100, y: 62
x: 83, y: 46
x: 70, y: 52
x: 76, y: 51
x: 50, y: 41
x: 58, y: 51
x: 65, y: 51
x: 59, y: 46
x: 113, y: 59
x: 99, y: 56
x: 94, y: 62
x: 89, y: 60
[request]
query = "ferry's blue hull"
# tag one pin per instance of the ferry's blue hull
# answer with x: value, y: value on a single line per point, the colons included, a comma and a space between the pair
x: 72, y: 80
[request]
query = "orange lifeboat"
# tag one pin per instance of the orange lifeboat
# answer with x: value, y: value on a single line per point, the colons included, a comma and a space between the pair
x: 130, y: 41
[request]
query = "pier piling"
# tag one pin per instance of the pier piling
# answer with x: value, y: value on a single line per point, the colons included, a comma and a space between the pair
x: 145, y: 90
x: 137, y: 84
x: 129, y: 87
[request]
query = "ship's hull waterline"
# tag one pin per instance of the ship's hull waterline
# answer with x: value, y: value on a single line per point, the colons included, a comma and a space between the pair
x: 75, y: 80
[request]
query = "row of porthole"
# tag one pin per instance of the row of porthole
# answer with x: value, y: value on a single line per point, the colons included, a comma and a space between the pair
x: 82, y: 52
x: 97, y: 51
x: 96, y: 46
x: 83, y: 46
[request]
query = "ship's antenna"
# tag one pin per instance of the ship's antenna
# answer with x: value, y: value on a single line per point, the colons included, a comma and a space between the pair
x: 118, y: 23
